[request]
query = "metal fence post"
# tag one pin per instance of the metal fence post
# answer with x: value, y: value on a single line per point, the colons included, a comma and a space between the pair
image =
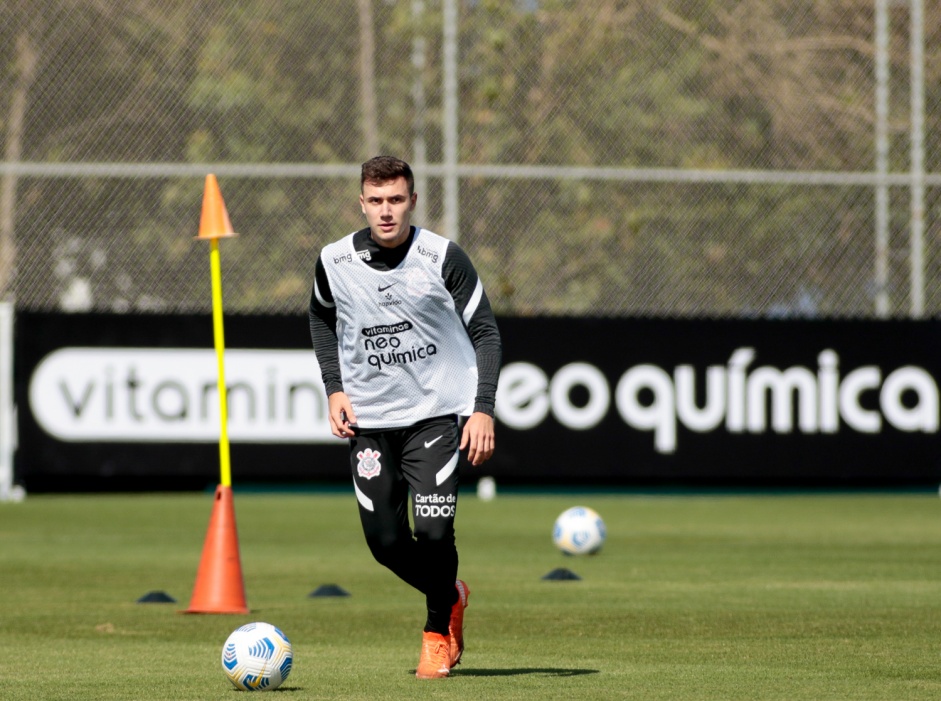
x: 7, y: 438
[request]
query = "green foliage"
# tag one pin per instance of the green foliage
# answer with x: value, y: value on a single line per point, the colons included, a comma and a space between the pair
x: 708, y: 86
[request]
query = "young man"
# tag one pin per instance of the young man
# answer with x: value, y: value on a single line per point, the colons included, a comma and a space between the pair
x: 408, y: 346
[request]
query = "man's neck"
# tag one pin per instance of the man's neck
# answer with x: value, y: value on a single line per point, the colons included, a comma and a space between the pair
x: 390, y: 257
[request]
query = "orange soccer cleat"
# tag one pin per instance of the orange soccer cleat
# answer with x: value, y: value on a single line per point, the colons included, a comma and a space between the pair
x: 456, y: 626
x: 435, y: 656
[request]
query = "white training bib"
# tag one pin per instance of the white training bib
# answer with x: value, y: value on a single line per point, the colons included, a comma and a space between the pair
x: 404, y: 352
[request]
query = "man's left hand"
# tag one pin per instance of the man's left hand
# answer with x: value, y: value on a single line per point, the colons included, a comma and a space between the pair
x: 478, y: 438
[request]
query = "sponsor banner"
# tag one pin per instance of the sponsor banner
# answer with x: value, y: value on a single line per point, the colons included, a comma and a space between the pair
x: 172, y: 395
x: 131, y: 402
x: 118, y: 400
x: 721, y: 402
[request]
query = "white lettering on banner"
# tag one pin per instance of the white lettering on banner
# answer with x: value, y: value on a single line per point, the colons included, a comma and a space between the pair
x: 649, y: 417
x: 649, y: 398
x: 522, y: 392
x: 574, y: 375
x: 150, y: 394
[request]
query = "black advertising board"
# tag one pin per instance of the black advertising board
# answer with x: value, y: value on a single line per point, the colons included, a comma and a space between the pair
x: 128, y: 402
x: 721, y: 402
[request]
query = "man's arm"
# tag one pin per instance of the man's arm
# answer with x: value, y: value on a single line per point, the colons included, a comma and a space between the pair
x: 470, y: 299
x: 472, y: 305
x: 323, y: 335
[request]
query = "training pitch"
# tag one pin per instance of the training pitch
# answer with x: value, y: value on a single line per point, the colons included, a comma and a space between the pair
x: 826, y: 596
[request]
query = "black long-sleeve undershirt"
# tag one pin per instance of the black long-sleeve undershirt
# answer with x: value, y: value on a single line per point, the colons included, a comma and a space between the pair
x: 460, y: 279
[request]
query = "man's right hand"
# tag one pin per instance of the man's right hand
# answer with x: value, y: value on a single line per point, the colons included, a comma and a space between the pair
x: 341, y: 415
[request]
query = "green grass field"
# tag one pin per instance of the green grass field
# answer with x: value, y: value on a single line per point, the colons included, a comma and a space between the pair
x: 693, y: 597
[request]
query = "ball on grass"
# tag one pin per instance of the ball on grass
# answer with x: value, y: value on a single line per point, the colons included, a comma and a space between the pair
x: 486, y: 489
x: 579, y: 531
x: 257, y: 657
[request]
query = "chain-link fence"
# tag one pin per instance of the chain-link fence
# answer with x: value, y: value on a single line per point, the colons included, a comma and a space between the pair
x: 645, y: 157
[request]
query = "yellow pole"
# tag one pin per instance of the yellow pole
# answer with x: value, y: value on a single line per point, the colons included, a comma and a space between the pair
x: 225, y: 464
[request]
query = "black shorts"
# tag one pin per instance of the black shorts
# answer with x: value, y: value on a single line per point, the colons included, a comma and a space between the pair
x: 422, y: 459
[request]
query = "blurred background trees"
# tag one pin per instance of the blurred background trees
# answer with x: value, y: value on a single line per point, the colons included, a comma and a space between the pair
x: 683, y: 116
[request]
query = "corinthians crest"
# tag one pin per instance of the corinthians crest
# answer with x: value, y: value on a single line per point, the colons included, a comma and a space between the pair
x: 368, y: 466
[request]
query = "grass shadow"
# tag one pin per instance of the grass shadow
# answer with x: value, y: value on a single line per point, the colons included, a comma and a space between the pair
x: 512, y: 672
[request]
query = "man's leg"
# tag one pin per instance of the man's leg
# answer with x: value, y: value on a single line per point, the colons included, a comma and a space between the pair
x: 382, y: 493
x: 425, y: 460
x: 430, y: 465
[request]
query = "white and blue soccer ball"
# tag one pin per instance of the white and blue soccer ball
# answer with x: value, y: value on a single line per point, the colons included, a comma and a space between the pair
x: 257, y: 657
x: 579, y: 531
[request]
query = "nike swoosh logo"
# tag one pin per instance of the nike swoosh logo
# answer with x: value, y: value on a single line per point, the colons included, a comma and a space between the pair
x: 383, y: 289
x: 428, y: 444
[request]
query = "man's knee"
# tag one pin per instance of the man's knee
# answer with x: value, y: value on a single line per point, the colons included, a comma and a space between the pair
x: 434, y: 532
x: 385, y: 545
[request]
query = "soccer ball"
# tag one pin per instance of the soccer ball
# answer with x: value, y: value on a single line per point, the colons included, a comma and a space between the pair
x: 579, y: 531
x: 257, y: 657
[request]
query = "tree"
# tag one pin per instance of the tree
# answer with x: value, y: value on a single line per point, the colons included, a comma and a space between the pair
x: 25, y: 73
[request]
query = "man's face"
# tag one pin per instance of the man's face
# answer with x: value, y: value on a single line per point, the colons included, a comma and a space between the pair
x: 388, y: 209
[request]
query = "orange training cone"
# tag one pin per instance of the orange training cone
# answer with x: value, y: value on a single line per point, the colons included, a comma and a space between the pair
x: 219, y: 584
x: 214, y: 222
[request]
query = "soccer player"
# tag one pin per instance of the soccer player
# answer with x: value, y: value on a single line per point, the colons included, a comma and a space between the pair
x: 410, y: 354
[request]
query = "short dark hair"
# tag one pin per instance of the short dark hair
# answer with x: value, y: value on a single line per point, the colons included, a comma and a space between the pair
x: 384, y: 168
